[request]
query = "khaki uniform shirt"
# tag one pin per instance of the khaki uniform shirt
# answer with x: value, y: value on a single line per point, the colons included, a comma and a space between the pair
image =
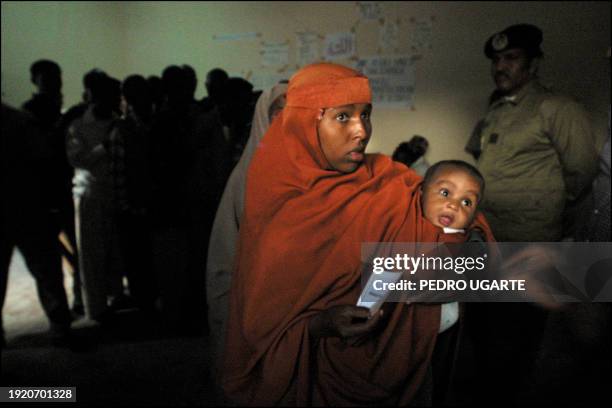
x: 538, y: 152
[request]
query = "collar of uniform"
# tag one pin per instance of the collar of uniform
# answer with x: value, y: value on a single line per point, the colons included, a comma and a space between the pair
x: 516, y: 99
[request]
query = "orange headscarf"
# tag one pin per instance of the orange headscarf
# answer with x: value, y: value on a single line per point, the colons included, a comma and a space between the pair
x: 299, y: 253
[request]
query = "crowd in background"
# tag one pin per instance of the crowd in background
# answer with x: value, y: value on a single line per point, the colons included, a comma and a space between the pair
x: 142, y: 164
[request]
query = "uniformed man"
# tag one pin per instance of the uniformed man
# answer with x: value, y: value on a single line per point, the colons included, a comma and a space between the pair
x: 537, y: 149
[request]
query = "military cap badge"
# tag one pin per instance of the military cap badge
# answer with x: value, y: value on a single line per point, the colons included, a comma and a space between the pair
x: 499, y: 41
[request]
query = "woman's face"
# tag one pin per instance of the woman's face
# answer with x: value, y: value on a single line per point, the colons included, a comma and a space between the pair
x: 344, y: 133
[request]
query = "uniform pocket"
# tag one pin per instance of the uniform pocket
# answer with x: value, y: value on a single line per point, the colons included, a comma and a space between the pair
x: 536, y: 205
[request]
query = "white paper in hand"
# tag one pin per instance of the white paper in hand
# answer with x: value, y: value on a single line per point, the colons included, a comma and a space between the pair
x: 374, y: 294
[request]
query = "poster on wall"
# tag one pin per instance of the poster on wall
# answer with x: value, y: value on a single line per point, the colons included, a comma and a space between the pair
x: 388, y: 36
x: 307, y: 48
x: 236, y: 36
x: 369, y: 10
x: 391, y: 77
x: 339, y: 46
x: 420, y: 33
x: 275, y: 54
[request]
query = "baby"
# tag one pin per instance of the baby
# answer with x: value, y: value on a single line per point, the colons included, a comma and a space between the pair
x: 452, y: 190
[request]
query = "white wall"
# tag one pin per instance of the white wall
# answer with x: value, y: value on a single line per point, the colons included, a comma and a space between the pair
x: 77, y: 35
x: 452, y: 78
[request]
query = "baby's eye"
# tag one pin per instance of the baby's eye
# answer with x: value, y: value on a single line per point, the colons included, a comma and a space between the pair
x: 444, y: 192
x: 466, y: 202
x: 365, y: 115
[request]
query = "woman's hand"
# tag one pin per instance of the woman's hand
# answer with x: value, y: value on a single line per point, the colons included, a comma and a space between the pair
x: 347, y: 322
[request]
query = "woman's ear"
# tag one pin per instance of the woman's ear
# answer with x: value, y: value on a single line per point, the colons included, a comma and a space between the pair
x: 321, y: 112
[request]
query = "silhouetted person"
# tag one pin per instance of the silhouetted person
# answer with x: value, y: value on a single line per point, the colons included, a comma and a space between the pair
x: 222, y: 134
x: 173, y: 152
x: 68, y: 214
x: 114, y: 95
x: 412, y: 154
x: 191, y: 81
x: 132, y: 181
x: 88, y: 151
x: 28, y: 224
x: 76, y: 111
x: 45, y: 106
x: 138, y: 97
x: 215, y: 87
x: 156, y: 90
x: 236, y: 110
x: 90, y: 79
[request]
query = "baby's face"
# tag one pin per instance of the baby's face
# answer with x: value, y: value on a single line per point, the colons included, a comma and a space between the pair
x: 451, y: 198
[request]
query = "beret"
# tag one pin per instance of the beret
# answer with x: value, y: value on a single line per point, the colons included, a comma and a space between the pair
x: 525, y: 36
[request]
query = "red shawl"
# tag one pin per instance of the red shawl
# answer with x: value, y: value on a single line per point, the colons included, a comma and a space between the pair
x: 299, y: 253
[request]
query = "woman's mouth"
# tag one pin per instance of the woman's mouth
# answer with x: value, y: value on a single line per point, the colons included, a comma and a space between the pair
x: 356, y: 156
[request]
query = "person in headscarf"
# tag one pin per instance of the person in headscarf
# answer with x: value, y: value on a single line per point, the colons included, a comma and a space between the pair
x: 312, y: 197
x: 224, y: 235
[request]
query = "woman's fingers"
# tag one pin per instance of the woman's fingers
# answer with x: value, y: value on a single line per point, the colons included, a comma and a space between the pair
x: 364, y: 326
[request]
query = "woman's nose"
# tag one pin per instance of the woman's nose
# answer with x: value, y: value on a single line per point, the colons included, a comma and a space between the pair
x: 359, y: 130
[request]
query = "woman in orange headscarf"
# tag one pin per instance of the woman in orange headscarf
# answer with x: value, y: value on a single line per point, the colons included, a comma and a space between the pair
x: 312, y: 198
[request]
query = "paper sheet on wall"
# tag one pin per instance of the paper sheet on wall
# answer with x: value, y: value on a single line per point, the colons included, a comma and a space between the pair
x: 391, y: 78
x: 388, y: 38
x: 236, y: 36
x: 339, y: 46
x: 307, y: 48
x: 275, y: 54
x: 369, y: 10
x: 420, y: 34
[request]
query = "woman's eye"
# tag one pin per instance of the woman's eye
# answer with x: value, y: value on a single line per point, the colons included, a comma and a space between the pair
x: 466, y: 202
x: 365, y: 115
x: 444, y: 192
x: 342, y: 117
